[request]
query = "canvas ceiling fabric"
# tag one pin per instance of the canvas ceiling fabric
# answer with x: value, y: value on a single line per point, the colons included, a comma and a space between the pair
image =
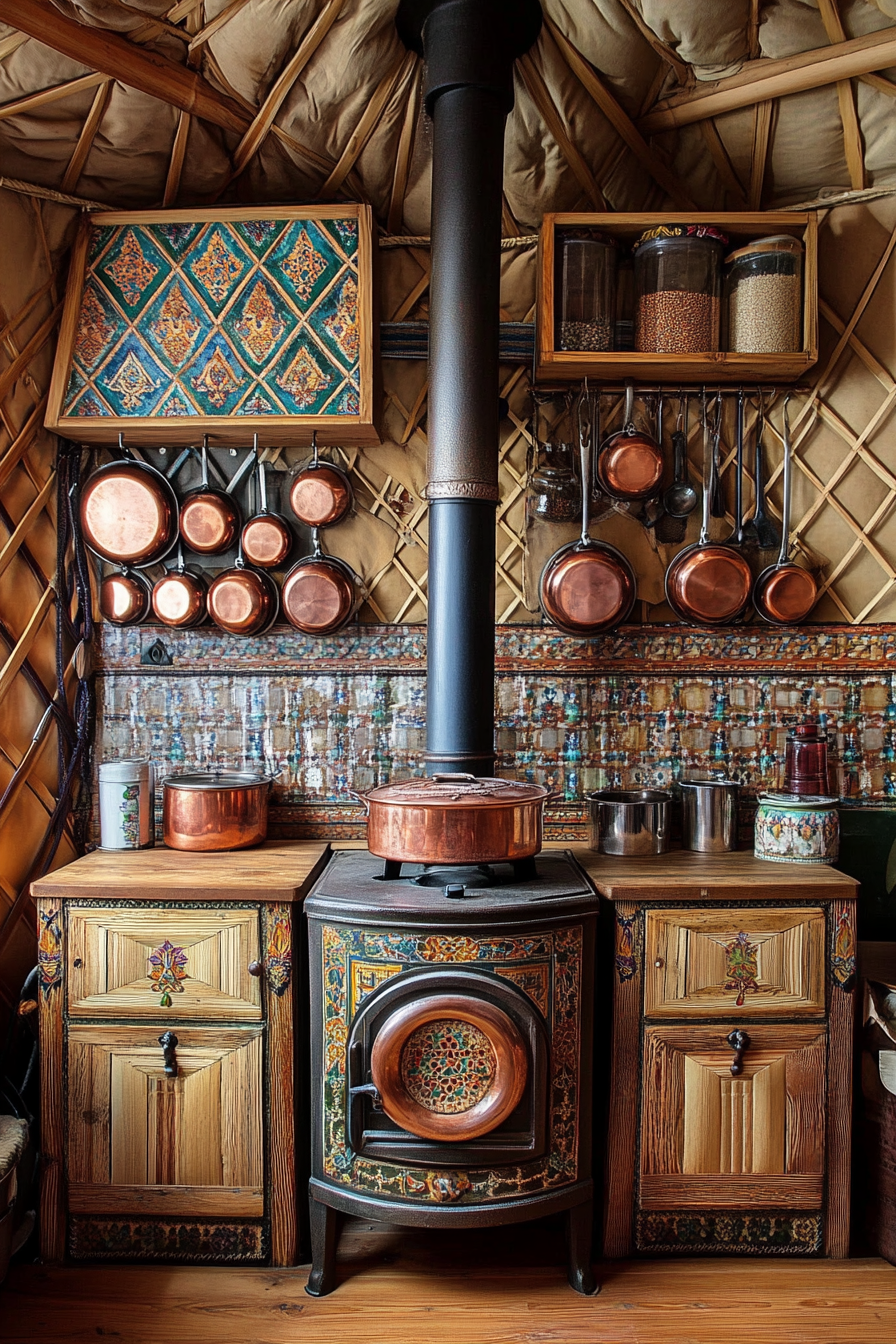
x: 626, y: 42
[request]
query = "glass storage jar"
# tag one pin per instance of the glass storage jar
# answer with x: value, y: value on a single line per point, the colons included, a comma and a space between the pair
x: 677, y: 289
x: 554, y: 494
x: 587, y: 292
x: 764, y: 296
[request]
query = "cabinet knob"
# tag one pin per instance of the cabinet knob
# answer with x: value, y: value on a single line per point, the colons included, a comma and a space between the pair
x: 256, y: 968
x: 168, y: 1042
x: 739, y: 1042
x: 659, y: 963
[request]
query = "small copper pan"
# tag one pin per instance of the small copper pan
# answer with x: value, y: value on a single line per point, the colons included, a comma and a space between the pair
x: 630, y: 462
x: 709, y: 583
x: 209, y: 518
x: 128, y: 512
x: 320, y: 593
x: 266, y: 538
x: 125, y: 597
x: 587, y: 587
x: 179, y: 598
x: 785, y: 593
x: 321, y: 494
x: 242, y: 600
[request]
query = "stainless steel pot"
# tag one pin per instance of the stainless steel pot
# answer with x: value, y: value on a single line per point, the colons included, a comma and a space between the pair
x: 708, y: 814
x: 630, y: 821
x: 223, y: 809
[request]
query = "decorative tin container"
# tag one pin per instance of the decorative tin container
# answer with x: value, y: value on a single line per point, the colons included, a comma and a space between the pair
x: 794, y: 828
x: 226, y: 322
x: 127, y: 800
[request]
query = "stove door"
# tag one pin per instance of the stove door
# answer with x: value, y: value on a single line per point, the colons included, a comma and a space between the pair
x: 449, y: 1066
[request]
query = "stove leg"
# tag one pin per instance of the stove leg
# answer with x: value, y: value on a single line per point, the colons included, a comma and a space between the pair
x: 579, y: 1234
x: 391, y: 870
x: 322, y: 1279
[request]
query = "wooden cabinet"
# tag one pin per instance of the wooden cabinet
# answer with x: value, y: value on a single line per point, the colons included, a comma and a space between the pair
x: 169, y: 1055
x: 730, y: 1092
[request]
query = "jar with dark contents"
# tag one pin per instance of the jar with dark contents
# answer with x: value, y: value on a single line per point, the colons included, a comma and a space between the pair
x: 677, y: 289
x: 554, y: 495
x: 587, y: 291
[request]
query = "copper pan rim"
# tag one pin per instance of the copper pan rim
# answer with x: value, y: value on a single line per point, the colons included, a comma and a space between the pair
x: 688, y: 612
x: 170, y: 531
x: 611, y: 559
x: 765, y: 607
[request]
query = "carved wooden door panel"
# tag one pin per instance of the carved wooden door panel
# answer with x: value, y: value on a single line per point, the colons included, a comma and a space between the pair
x: 170, y: 1125
x: 144, y: 962
x: 701, y: 963
x: 713, y: 1139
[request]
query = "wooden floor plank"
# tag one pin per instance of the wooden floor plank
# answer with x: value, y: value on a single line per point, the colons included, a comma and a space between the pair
x: 506, y: 1286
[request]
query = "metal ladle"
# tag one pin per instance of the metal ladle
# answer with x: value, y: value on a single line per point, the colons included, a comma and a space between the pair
x: 680, y: 498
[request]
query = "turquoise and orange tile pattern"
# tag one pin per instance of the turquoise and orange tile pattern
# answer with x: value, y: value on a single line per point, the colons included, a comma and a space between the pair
x: 249, y: 318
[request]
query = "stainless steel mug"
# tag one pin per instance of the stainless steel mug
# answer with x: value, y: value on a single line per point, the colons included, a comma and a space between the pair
x: 630, y: 821
x: 708, y: 814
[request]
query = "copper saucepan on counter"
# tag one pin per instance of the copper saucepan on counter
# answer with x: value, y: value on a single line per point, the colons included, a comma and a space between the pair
x: 630, y: 462
x: 209, y: 518
x: 709, y: 583
x: 588, y: 587
x: 222, y: 809
x: 785, y: 593
x: 455, y: 818
x: 321, y: 494
x: 266, y: 538
x: 128, y: 512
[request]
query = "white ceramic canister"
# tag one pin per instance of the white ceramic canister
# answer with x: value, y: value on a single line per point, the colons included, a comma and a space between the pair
x: 795, y: 828
x: 127, y: 804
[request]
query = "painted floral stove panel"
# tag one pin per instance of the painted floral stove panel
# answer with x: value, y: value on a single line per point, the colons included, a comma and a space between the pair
x: 448, y: 1066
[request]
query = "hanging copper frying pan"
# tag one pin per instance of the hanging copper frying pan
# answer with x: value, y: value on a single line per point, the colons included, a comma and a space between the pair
x: 125, y: 597
x: 709, y: 583
x: 588, y: 587
x: 785, y: 593
x: 630, y: 462
x: 321, y: 593
x: 266, y: 538
x: 128, y: 512
x: 243, y: 600
x: 209, y: 518
x: 321, y: 494
x: 179, y: 597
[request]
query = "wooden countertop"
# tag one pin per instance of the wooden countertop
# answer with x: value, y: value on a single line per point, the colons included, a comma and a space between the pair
x: 274, y: 871
x: 683, y: 875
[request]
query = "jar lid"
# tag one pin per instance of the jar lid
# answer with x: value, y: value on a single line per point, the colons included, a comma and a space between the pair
x: 216, y: 779
x: 586, y: 236
x: 136, y: 767
x: 458, y: 790
x: 776, y: 242
x: 799, y: 800
x: 663, y: 231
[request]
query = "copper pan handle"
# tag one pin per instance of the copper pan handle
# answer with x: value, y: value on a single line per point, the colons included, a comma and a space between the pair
x: 785, y: 508
x: 365, y: 802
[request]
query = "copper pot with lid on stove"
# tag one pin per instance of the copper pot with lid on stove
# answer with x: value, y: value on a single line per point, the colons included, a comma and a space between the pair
x: 455, y: 818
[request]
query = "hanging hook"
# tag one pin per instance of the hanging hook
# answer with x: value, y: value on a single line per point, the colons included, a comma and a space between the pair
x: 314, y: 453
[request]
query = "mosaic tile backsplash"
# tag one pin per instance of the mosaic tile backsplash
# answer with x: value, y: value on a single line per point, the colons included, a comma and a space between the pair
x: 638, y: 707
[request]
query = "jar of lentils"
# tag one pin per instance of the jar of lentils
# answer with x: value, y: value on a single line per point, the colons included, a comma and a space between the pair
x: 678, y: 272
x: 587, y: 291
x: 764, y: 296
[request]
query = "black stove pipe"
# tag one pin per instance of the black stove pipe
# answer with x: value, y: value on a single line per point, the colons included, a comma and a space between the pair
x: 469, y: 47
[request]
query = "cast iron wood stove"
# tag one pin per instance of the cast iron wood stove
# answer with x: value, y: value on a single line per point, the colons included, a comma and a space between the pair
x: 451, y: 1049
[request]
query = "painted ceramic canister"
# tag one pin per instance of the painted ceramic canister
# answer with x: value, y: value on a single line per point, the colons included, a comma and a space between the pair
x: 792, y: 828
x: 127, y: 804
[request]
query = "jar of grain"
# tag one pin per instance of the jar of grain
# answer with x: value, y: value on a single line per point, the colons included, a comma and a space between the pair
x: 764, y: 296
x: 677, y: 289
x: 587, y: 292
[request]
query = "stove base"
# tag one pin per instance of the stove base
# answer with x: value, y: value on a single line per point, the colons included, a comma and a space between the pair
x: 576, y: 1201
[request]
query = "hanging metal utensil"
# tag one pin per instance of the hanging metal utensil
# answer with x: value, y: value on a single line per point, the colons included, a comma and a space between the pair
x: 717, y: 502
x: 709, y: 583
x: 785, y: 593
x: 179, y: 597
x: 125, y: 597
x: 768, y: 538
x: 321, y: 593
x: 588, y: 587
x: 128, y: 512
x: 680, y: 499
x: 630, y: 462
x: 243, y: 600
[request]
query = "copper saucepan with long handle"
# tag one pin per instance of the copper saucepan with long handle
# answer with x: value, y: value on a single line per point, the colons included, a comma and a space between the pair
x: 209, y: 518
x: 321, y: 494
x: 128, y: 512
x: 243, y: 600
x: 630, y: 462
x: 785, y: 593
x: 124, y: 597
x: 266, y: 538
x: 709, y: 583
x: 320, y: 593
x: 179, y: 597
x: 588, y: 587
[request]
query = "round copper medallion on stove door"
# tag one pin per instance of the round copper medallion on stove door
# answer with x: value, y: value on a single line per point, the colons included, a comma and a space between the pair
x: 449, y: 1067
x: 124, y: 598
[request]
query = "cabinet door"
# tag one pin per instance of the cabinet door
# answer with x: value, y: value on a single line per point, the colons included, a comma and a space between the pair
x: 141, y: 963
x: 140, y: 1140
x: 712, y: 1139
x: 701, y: 963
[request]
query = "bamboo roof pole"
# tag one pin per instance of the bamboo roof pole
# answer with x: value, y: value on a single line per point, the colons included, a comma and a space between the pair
x: 88, y: 135
x: 553, y: 117
x: 853, y: 147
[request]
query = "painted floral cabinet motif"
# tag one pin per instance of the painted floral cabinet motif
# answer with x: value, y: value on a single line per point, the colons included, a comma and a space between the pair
x: 730, y: 1064
x: 169, y: 1055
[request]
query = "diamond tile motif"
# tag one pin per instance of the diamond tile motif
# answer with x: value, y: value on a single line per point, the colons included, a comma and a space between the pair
x: 191, y: 320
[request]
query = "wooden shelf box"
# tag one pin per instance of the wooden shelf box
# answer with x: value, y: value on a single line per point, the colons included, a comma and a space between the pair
x: 229, y: 322
x: 553, y: 365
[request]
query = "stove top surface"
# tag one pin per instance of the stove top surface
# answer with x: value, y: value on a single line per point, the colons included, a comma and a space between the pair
x: 353, y: 884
